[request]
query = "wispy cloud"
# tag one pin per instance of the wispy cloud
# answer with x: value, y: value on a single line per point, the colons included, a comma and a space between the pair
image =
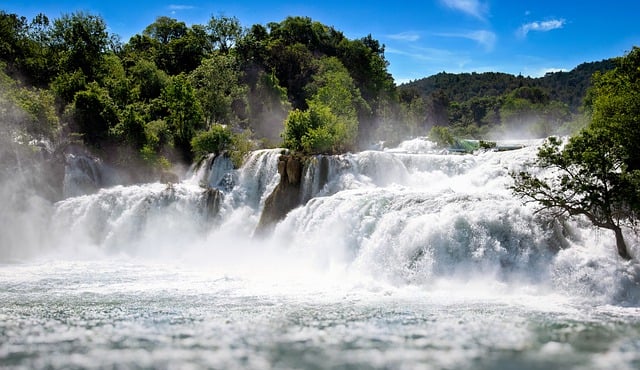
x: 486, y: 39
x: 540, y: 26
x: 473, y: 8
x: 181, y: 7
x: 405, y: 36
x: 423, y: 54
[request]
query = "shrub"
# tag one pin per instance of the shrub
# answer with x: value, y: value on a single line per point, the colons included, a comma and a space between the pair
x: 217, y: 139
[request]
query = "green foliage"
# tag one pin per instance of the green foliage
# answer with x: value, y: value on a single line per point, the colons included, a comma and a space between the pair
x: 296, y: 126
x: 331, y: 123
x: 113, y: 77
x: 616, y: 106
x: 267, y: 106
x: 441, y: 136
x: 224, y: 32
x: 38, y: 104
x: 316, y: 130
x: 78, y: 41
x: 166, y: 29
x: 130, y: 128
x: 485, y: 103
x: 172, y: 45
x: 184, y: 112
x: 242, y: 145
x: 94, y: 113
x: 12, y: 29
x: 567, y: 87
x: 147, y: 79
x: 153, y: 93
x: 33, y: 108
x: 215, y: 140
x: 219, y: 139
x: 217, y: 87
x: 66, y: 85
x: 157, y: 134
x: 597, y: 173
x: 247, y: 79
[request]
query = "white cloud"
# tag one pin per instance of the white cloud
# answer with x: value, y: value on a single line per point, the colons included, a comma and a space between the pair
x: 483, y: 37
x: 543, y: 26
x: 405, y: 36
x: 472, y: 7
x: 181, y: 7
x: 423, y: 54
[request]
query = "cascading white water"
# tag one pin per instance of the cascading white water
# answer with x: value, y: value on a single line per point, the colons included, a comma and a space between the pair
x: 403, y: 218
x: 214, y: 171
x: 407, y: 217
x: 82, y: 175
x: 397, y: 259
x: 256, y: 179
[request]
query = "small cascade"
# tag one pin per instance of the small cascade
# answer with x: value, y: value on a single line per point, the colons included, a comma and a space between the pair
x: 82, y: 175
x: 215, y: 171
x: 419, y: 145
x: 132, y: 218
x: 323, y: 173
x: 86, y: 174
x: 256, y: 179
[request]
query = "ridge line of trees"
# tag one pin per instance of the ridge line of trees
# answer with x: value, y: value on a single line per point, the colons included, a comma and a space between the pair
x: 173, y: 92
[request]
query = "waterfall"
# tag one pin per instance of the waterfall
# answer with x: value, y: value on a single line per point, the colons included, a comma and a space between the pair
x: 256, y: 179
x: 407, y: 216
x: 82, y: 175
x: 214, y: 171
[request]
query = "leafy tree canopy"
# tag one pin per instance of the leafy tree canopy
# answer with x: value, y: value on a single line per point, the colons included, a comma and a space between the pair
x: 596, y: 173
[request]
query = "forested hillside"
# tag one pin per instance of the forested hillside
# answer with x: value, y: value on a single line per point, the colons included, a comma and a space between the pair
x: 472, y: 101
x: 567, y: 87
x: 174, y: 92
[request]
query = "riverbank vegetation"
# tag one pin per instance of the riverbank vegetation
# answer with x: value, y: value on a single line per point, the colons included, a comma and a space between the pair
x: 173, y: 92
x: 597, y: 173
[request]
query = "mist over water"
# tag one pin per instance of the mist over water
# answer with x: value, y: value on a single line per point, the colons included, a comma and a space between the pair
x: 401, y: 258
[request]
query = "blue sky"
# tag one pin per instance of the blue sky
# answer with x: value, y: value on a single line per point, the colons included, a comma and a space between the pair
x: 421, y: 37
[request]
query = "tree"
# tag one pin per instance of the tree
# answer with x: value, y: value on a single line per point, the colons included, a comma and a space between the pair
x: 614, y: 102
x: 215, y: 140
x: 165, y: 29
x: 147, y: 80
x: 94, y: 113
x: 330, y: 124
x: 596, y: 173
x: 224, y: 32
x: 587, y: 178
x: 217, y: 86
x: 79, y: 40
x: 184, y: 112
x: 268, y: 106
x: 174, y: 47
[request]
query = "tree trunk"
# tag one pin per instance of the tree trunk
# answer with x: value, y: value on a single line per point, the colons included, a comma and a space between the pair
x: 621, y: 244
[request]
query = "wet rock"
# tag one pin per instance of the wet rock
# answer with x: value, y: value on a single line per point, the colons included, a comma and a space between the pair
x: 168, y: 177
x: 285, y: 197
x: 212, y: 200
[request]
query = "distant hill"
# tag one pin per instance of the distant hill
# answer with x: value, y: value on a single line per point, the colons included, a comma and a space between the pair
x: 567, y: 87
